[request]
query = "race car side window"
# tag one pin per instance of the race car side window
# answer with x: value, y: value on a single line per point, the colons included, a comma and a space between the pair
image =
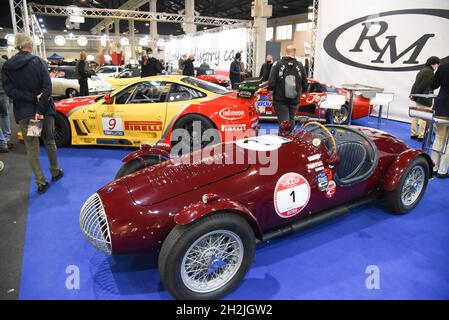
x: 182, y: 93
x: 149, y: 92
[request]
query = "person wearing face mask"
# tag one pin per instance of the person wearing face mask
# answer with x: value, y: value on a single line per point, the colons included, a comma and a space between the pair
x: 235, y: 72
x: 150, y: 66
x: 422, y: 86
x: 266, y: 68
x: 189, y: 69
x: 83, y: 74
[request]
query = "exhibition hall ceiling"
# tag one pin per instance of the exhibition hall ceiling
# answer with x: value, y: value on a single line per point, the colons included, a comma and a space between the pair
x: 237, y: 9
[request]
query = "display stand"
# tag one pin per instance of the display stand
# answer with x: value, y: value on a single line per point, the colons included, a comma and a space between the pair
x: 428, y: 115
x: 352, y: 88
x: 381, y: 100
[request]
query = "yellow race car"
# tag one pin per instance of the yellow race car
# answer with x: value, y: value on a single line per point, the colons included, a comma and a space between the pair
x: 123, y: 78
x: 146, y: 111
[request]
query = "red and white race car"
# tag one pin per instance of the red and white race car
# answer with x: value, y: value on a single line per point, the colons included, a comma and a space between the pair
x: 309, y: 104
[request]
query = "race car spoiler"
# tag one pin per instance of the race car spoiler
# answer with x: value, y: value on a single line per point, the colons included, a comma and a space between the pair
x: 249, y: 86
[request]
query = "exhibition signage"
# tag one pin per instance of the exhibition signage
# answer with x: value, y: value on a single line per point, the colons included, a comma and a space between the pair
x: 383, y: 44
x: 216, y: 48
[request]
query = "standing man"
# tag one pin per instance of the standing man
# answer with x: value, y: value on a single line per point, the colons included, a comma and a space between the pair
x: 422, y: 86
x: 5, y: 128
x: 266, y: 68
x: 441, y: 160
x: 189, y: 69
x: 150, y: 65
x: 286, y: 83
x: 181, y: 62
x: 235, y: 72
x: 83, y: 73
x: 27, y: 82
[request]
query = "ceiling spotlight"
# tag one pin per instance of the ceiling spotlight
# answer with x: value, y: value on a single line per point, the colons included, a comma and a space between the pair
x: 204, y: 28
x: 10, y: 39
x: 40, y: 19
x: 147, y: 24
x: 82, y: 41
x: 65, y: 30
x: 59, y: 41
x: 44, y: 30
x: 1, y: 28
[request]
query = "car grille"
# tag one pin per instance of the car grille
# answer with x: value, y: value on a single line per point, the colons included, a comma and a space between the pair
x: 94, y: 224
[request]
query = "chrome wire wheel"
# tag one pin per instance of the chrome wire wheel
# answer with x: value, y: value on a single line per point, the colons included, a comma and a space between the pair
x: 212, y: 261
x: 413, y: 185
x: 341, y: 115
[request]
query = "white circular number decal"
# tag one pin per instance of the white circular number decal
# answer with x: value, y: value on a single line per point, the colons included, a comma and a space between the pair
x: 291, y: 195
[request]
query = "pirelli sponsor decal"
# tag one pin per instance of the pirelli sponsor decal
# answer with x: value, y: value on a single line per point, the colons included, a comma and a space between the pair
x: 144, y: 126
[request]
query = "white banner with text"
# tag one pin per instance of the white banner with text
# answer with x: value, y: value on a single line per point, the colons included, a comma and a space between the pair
x: 380, y: 43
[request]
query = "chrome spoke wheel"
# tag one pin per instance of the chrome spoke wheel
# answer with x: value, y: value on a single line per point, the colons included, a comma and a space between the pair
x: 413, y: 185
x: 341, y: 115
x: 212, y: 261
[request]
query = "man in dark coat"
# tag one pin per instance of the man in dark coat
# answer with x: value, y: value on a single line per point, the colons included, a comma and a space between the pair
x: 441, y: 160
x: 235, y: 71
x: 150, y: 65
x: 286, y: 83
x: 83, y: 74
x: 266, y: 68
x: 189, y: 69
x: 422, y: 86
x: 27, y: 82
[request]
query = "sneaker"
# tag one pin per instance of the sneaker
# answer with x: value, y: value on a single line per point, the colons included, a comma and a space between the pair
x: 442, y: 176
x: 58, y: 176
x: 413, y: 137
x: 42, y: 188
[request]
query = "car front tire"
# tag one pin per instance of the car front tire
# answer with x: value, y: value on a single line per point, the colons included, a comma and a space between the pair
x: 208, y: 258
x: 411, y: 188
x: 63, y: 135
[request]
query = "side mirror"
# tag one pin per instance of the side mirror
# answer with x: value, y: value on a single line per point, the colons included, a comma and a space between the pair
x: 108, y: 99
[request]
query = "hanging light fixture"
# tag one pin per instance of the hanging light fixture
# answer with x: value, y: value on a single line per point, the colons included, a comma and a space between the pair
x: 124, y: 41
x: 10, y: 39
x: 59, y: 41
x: 82, y: 41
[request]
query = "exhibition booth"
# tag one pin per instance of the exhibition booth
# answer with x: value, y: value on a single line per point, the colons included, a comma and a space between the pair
x: 186, y: 186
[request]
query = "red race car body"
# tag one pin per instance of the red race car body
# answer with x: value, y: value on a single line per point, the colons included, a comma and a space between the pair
x: 195, y: 206
x: 309, y: 104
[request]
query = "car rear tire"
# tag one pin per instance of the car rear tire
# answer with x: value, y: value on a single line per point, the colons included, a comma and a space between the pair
x: 187, y: 123
x: 339, y: 116
x: 135, y: 165
x: 63, y: 134
x: 411, y: 187
x: 208, y: 258
x: 71, y: 93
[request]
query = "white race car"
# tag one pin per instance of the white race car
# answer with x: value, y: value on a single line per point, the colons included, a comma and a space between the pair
x: 108, y: 71
x: 65, y: 83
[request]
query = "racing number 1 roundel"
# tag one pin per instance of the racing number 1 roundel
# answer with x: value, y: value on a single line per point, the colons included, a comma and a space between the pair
x: 291, y: 194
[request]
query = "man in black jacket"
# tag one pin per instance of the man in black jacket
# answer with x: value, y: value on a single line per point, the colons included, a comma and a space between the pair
x: 189, y: 69
x: 150, y: 65
x: 422, y: 86
x: 27, y: 82
x: 83, y: 74
x: 235, y: 71
x: 266, y: 68
x: 441, y: 160
x: 287, y: 81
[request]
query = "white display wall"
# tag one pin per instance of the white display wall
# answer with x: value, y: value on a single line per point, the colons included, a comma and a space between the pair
x: 216, y: 48
x: 381, y: 43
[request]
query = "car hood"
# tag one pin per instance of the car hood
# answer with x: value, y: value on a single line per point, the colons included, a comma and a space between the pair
x: 181, y: 175
x: 66, y: 105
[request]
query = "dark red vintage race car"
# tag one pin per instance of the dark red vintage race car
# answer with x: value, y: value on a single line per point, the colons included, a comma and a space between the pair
x: 206, y: 210
x: 309, y: 104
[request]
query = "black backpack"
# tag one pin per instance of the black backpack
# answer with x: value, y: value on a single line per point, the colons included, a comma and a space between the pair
x: 290, y: 79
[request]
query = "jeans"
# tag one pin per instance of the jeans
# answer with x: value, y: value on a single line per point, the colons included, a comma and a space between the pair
x: 5, y: 128
x: 32, y: 145
x: 285, y: 112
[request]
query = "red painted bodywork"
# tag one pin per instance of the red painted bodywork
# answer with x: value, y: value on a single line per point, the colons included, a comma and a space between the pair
x: 309, y: 104
x: 215, y: 78
x: 143, y: 208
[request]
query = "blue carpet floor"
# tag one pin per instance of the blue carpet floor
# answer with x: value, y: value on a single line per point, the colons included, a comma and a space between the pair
x: 325, y: 262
